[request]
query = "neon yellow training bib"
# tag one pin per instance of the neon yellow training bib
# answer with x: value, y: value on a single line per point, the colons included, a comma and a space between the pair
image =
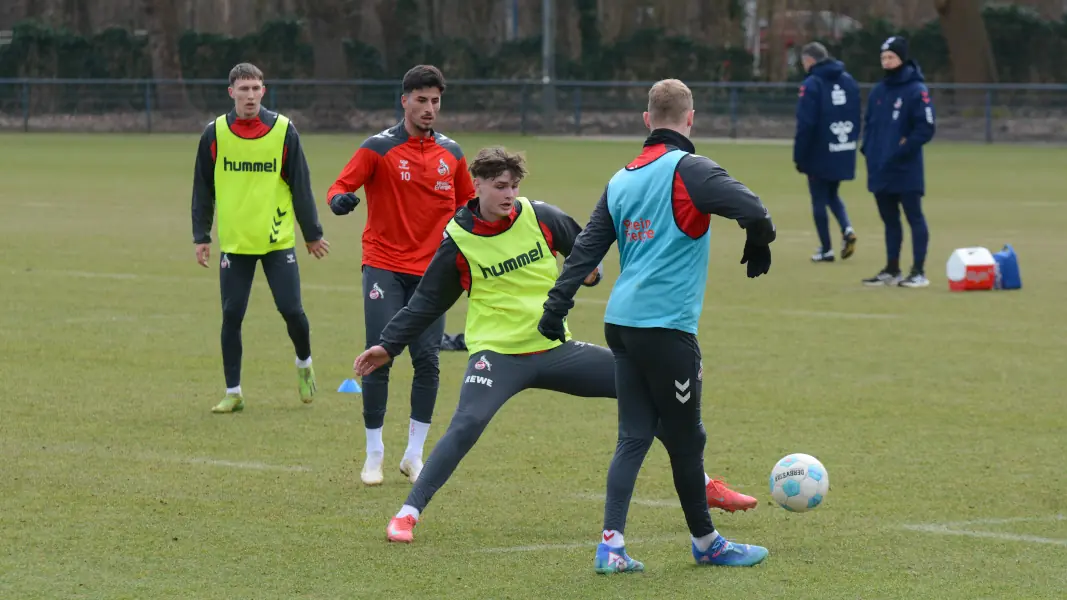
x: 254, y: 204
x: 511, y: 274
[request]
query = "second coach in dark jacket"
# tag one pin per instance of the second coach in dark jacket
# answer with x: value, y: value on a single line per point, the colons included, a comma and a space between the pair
x: 899, y: 122
x: 824, y: 149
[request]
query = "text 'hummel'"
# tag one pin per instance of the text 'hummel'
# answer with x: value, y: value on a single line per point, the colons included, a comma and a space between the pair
x: 513, y: 264
x: 247, y: 166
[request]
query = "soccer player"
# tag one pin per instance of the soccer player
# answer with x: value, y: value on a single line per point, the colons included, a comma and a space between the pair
x: 415, y: 179
x: 824, y: 149
x: 250, y: 168
x: 500, y: 249
x: 658, y: 210
x: 899, y: 122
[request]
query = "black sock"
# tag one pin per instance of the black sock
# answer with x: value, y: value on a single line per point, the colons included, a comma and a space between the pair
x: 893, y: 266
x: 918, y: 267
x: 300, y: 334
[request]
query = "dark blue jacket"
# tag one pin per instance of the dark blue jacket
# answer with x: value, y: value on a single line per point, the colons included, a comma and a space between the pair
x: 899, y: 121
x: 828, y: 123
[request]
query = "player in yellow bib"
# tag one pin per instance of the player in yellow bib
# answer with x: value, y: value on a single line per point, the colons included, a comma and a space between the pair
x: 501, y: 249
x: 251, y: 171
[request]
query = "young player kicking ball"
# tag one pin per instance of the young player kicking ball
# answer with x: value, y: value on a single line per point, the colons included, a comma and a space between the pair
x: 500, y: 249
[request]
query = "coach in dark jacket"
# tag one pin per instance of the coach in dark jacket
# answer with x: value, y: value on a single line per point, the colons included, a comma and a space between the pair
x: 899, y: 122
x: 828, y: 127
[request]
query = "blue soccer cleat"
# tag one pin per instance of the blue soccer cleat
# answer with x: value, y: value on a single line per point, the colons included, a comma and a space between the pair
x: 614, y: 560
x: 725, y: 553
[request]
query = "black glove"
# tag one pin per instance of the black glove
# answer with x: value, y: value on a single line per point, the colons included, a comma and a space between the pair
x: 342, y: 204
x: 758, y: 257
x: 551, y: 326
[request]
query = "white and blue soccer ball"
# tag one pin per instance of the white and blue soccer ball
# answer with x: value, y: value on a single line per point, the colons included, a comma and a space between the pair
x: 799, y: 482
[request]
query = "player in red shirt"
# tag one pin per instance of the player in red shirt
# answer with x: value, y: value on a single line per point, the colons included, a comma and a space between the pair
x: 414, y: 179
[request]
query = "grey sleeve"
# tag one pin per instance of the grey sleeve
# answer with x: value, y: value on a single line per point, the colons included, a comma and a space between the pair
x: 297, y: 174
x: 589, y: 249
x: 714, y: 192
x: 203, y: 205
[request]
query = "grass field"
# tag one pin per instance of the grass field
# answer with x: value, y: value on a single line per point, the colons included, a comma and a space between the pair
x: 940, y: 416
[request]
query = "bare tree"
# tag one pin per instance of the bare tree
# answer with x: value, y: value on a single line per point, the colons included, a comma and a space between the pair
x: 327, y: 20
x: 161, y: 21
x: 968, y: 42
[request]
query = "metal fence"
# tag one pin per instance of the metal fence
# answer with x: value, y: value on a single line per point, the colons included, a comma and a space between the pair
x: 989, y: 113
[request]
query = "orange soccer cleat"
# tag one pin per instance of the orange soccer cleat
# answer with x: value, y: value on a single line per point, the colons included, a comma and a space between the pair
x: 722, y: 497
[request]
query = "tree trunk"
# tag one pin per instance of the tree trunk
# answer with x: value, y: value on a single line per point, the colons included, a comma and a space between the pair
x: 967, y: 40
x: 327, y: 23
x: 161, y: 21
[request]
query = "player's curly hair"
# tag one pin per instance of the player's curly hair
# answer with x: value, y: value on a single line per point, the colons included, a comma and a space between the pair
x: 492, y: 162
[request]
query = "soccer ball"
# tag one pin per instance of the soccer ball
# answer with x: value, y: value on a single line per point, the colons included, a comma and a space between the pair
x: 799, y: 482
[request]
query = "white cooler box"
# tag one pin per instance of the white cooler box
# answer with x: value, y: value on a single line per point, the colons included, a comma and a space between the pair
x: 971, y: 269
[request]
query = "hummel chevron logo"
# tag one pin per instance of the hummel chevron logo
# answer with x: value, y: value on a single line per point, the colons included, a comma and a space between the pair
x: 682, y: 387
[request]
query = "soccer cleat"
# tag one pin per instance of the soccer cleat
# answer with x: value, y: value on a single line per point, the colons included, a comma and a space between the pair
x: 821, y: 256
x: 614, y: 560
x: 230, y: 404
x: 411, y: 467
x: 724, y: 553
x: 883, y: 278
x: 372, y: 469
x: 306, y: 379
x: 914, y: 280
x: 401, y: 529
x: 849, y: 244
x: 723, y: 498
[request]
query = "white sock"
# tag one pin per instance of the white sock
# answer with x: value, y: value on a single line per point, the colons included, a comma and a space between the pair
x: 416, y: 438
x: 374, y: 441
x: 406, y: 510
x: 703, y: 543
x: 303, y: 364
x: 707, y: 480
x: 612, y: 538
x: 233, y: 390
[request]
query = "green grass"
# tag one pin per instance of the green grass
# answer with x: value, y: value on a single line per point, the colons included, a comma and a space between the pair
x: 927, y: 407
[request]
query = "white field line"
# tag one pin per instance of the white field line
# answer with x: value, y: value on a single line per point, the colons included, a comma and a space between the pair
x: 107, y: 453
x: 254, y: 466
x: 596, y: 301
x: 124, y: 318
x: 967, y: 529
x: 575, y: 545
x: 637, y: 501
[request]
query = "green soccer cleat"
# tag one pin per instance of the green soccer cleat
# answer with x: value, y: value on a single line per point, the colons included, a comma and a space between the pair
x: 306, y: 379
x: 230, y: 404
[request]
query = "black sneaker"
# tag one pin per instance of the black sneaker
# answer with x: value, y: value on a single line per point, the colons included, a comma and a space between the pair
x: 914, y: 280
x: 821, y: 256
x: 849, y: 247
x: 883, y: 278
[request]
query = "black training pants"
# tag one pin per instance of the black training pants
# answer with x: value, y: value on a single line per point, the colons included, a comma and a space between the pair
x: 658, y: 374
x: 575, y: 368
x: 384, y: 294
x: 236, y: 273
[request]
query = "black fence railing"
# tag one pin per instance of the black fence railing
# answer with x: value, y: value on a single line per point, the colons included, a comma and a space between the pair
x: 996, y: 112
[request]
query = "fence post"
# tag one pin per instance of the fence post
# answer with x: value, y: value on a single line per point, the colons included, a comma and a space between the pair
x: 989, y: 116
x: 399, y: 105
x: 577, y: 110
x: 523, y: 107
x: 25, y: 106
x: 733, y: 113
x: 148, y: 105
x: 273, y: 99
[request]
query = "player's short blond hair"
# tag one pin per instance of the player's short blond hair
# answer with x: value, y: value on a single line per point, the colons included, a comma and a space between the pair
x: 669, y: 100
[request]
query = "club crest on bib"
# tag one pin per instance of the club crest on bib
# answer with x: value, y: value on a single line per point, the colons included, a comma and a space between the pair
x: 483, y: 364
